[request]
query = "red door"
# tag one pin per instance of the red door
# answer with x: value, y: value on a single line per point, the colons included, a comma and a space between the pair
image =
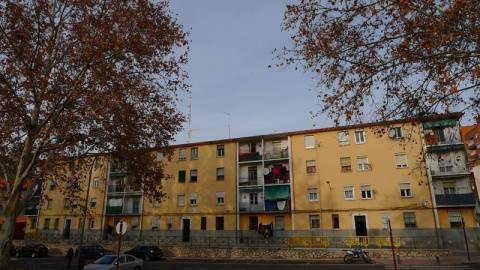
x: 19, y: 233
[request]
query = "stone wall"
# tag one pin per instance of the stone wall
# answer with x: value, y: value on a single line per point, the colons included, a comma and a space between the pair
x: 256, y: 253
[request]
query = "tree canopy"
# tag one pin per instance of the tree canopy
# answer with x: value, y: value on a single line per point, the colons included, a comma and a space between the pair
x: 81, y: 77
x: 387, y: 59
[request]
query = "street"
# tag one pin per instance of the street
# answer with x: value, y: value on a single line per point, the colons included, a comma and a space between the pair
x: 59, y: 263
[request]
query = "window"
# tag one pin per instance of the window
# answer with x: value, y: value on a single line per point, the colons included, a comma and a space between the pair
x: 66, y: 204
x: 410, y: 221
x: 80, y: 225
x: 359, y: 136
x: 455, y: 219
x: 366, y: 191
x: 440, y: 132
x: 98, y: 163
x: 311, y: 167
x: 169, y: 223
x: 445, y: 169
x: 159, y: 157
x: 181, y: 176
x: 314, y: 222
x: 252, y: 174
x: 309, y: 142
x: 220, y: 150
x: 312, y: 194
x: 96, y: 181
x: 46, y: 224
x: 335, y: 221
x: 134, y: 223
x: 343, y: 138
x: 52, y: 185
x: 348, y: 193
x: 75, y: 203
x: 405, y: 190
x: 395, y: 133
x: 50, y: 204
x: 401, y: 160
x: 253, y: 223
x: 203, y: 223
x: 363, y: 164
x: 220, y: 198
x: 346, y: 164
x: 385, y: 218
x: 280, y: 222
x: 56, y: 223
x: 181, y: 199
x: 155, y: 223
x: 194, y: 153
x: 254, y: 198
x: 193, y: 199
x: 220, y: 174
x: 156, y: 203
x: 93, y: 202
x: 193, y: 175
x: 219, y: 223
x: 92, y: 223
x: 182, y: 154
x: 69, y: 184
x: 448, y: 187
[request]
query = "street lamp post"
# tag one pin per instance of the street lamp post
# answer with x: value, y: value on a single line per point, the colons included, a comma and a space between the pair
x: 80, y: 262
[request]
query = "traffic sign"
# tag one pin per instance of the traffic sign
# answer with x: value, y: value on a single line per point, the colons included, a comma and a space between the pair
x: 123, y: 226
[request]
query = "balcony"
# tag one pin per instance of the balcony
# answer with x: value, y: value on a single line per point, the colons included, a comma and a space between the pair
x: 474, y: 153
x: 122, y: 189
x: 272, y: 155
x: 447, y: 200
x: 447, y: 171
x: 31, y: 212
x: 120, y: 210
x: 471, y: 144
x: 246, y: 207
x: 252, y: 156
x: 250, y: 181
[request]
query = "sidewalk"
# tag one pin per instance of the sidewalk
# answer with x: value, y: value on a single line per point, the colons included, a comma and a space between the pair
x: 458, y: 257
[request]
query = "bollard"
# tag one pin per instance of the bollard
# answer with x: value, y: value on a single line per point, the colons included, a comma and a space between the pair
x: 398, y: 260
x: 438, y: 259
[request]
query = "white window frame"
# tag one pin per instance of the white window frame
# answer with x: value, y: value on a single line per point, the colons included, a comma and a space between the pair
x: 454, y: 217
x: 159, y: 156
x: 134, y: 223
x: 96, y: 181
x: 155, y: 221
x: 360, y: 137
x: 385, y: 218
x: 313, y: 194
x: 50, y: 204
x: 220, y: 176
x: 169, y: 223
x: 343, y: 138
x: 397, y: 159
x: 316, y: 219
x: 364, y: 166
x: 91, y: 223
x: 156, y: 203
x: 181, y: 199
x: 414, y: 218
x: 366, y: 192
x: 192, y: 200
x: 349, y: 189
x: 309, y: 142
x: 220, y: 150
x: 182, y: 154
x: 398, y: 132
x: 93, y: 202
x: 194, y: 173
x: 341, y: 164
x: 194, y: 153
x: 404, y: 191
x: 307, y: 165
x: 220, y: 198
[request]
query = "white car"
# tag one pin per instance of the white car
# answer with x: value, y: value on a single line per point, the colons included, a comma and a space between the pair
x: 109, y: 262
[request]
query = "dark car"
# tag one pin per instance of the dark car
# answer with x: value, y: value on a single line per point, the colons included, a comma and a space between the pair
x: 147, y: 253
x: 34, y: 250
x: 93, y: 252
x: 13, y: 250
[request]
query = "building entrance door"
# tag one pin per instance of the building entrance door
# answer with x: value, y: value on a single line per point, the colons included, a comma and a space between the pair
x: 186, y: 230
x: 361, y: 225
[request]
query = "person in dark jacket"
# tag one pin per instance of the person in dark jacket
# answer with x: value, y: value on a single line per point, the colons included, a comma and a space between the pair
x: 69, y: 258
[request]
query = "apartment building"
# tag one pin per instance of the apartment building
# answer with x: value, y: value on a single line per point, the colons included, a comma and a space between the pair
x: 336, y: 182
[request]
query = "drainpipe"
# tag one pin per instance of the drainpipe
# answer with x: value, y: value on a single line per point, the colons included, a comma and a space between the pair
x: 102, y: 229
x: 290, y: 168
x: 237, y: 216
x: 432, y: 192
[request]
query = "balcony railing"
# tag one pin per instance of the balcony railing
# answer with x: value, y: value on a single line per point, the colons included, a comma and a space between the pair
x: 474, y: 153
x: 276, y: 155
x: 450, y: 170
x: 31, y: 212
x: 120, y: 210
x: 465, y: 199
x: 247, y: 207
x: 471, y: 144
x: 121, y: 189
x: 250, y: 181
x: 253, y: 156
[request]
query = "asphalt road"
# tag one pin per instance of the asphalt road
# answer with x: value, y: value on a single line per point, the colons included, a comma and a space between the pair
x: 52, y: 263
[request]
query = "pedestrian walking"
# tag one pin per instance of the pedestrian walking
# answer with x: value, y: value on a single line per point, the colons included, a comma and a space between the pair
x: 69, y: 258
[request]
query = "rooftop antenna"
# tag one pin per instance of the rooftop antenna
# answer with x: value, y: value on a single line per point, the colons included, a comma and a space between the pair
x: 228, y: 114
x: 189, y: 136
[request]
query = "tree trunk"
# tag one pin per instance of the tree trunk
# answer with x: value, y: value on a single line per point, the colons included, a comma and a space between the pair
x: 6, y: 237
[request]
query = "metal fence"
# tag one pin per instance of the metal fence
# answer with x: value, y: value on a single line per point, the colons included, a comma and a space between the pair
x: 424, y: 242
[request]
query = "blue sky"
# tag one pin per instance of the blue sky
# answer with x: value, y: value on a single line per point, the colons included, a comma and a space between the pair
x: 231, y: 49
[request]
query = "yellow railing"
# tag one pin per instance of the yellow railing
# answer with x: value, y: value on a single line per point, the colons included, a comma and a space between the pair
x: 385, y: 241
x: 33, y: 235
x: 309, y: 241
x: 357, y: 241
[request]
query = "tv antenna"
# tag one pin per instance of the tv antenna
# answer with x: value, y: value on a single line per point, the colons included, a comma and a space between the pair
x: 228, y: 122
x: 189, y: 135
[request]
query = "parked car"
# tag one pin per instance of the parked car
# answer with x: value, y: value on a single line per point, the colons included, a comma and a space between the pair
x: 93, y: 252
x: 147, y: 253
x: 13, y: 250
x: 33, y: 250
x: 108, y: 262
